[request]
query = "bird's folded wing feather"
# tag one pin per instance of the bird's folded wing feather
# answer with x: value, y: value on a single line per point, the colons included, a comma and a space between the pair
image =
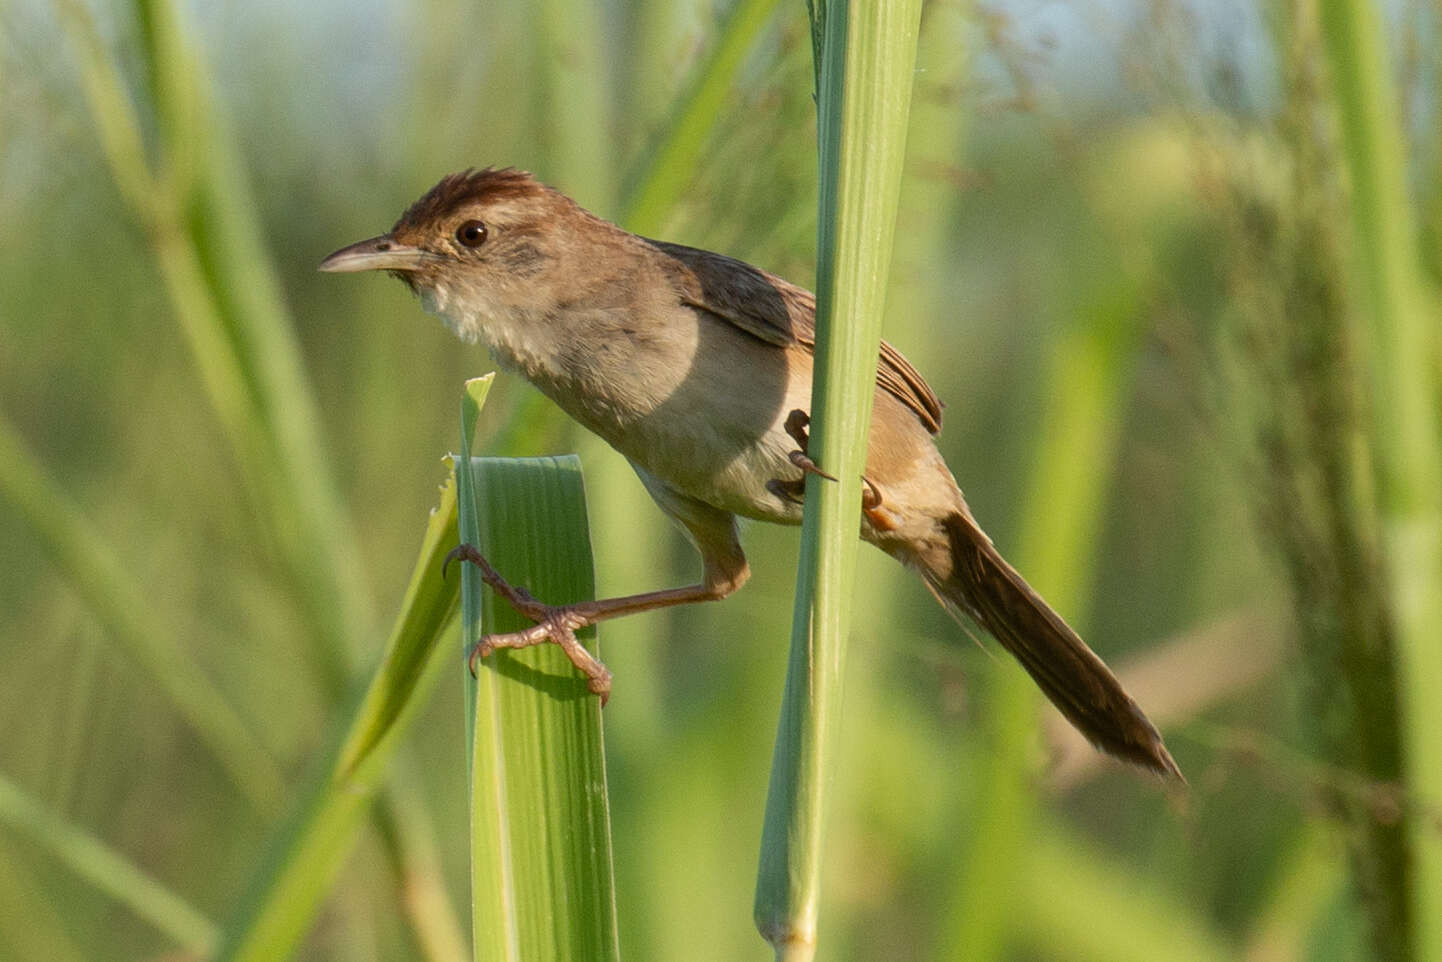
x: 778, y: 312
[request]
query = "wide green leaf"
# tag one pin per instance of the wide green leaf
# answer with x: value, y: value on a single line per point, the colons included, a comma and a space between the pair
x: 541, y: 876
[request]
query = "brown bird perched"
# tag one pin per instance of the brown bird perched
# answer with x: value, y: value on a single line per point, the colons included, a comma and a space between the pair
x: 697, y: 368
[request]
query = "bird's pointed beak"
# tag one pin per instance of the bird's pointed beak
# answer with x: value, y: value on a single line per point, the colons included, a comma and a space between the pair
x: 381, y: 253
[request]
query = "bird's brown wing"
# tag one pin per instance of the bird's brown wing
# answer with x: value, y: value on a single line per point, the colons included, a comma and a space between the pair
x: 778, y: 312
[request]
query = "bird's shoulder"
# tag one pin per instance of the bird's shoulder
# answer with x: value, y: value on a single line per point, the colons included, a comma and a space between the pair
x: 760, y: 303
x: 773, y: 310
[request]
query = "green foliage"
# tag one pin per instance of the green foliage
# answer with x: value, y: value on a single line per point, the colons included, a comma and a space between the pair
x: 541, y: 877
x: 108, y: 871
x: 1087, y: 376
x: 672, y: 159
x: 1329, y: 364
x: 310, y: 849
x: 1131, y: 292
x: 1399, y: 329
x: 118, y: 602
x: 866, y: 56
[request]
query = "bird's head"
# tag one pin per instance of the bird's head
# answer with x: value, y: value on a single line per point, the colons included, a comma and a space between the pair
x: 477, y: 244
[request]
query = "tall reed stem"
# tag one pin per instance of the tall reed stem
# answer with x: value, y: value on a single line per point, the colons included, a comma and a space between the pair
x: 866, y: 58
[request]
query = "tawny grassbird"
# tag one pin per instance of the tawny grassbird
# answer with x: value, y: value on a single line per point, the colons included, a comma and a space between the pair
x: 697, y: 368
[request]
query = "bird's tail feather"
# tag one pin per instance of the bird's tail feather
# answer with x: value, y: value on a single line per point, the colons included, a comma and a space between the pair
x: 968, y: 574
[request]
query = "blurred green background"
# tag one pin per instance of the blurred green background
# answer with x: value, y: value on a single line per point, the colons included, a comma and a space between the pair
x: 1121, y: 222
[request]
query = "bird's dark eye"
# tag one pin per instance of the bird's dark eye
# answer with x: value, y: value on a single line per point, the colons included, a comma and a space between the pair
x: 471, y: 234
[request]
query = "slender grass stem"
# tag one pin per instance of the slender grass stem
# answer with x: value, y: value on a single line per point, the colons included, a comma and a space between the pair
x: 199, y: 214
x: 866, y: 60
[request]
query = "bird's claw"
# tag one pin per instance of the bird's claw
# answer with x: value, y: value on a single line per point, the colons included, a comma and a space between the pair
x: 870, y: 495
x: 796, y: 425
x: 808, y: 466
x: 554, y: 623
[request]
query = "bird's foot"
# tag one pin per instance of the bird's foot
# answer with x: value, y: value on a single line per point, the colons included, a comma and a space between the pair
x: 797, y: 423
x: 870, y: 494
x: 873, y: 506
x: 553, y: 623
x: 793, y: 491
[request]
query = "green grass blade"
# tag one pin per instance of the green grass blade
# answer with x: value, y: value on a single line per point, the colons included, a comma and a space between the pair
x: 118, y: 126
x: 206, y: 240
x: 107, y: 870
x: 409, y: 842
x: 867, y: 58
x: 433, y: 601
x: 306, y: 856
x: 671, y: 163
x: 541, y: 874
x: 116, y: 123
x: 1400, y: 340
x: 217, y: 219
x: 95, y: 570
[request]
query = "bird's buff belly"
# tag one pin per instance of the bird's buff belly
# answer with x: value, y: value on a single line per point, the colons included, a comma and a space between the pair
x: 723, y: 472
x: 691, y: 425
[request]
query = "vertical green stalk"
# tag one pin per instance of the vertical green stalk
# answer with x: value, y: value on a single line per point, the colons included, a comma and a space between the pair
x: 541, y: 877
x: 866, y: 59
x: 1401, y: 348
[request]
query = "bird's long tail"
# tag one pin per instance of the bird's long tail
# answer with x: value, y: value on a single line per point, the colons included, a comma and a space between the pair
x: 968, y: 575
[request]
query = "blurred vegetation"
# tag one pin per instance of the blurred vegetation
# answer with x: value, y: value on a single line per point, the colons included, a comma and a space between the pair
x: 1132, y: 256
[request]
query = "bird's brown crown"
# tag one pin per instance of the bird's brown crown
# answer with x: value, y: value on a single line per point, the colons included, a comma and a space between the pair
x: 467, y: 187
